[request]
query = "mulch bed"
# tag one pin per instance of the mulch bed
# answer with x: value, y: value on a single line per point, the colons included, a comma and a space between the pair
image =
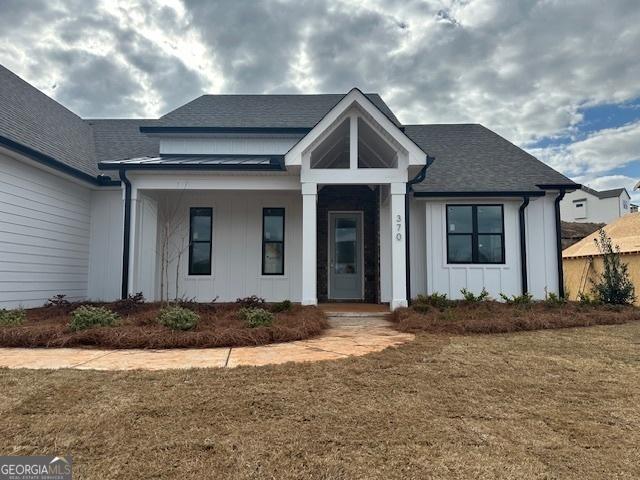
x: 496, y: 317
x: 219, y: 326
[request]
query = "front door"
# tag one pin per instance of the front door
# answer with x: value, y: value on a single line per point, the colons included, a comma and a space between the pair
x: 345, y: 256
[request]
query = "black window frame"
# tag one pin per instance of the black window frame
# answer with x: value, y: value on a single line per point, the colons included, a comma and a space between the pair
x: 475, y: 233
x: 192, y: 211
x: 265, y: 242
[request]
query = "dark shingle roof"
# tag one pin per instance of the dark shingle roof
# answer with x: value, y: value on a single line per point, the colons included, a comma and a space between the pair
x: 614, y: 192
x: 260, y: 111
x: 119, y: 139
x: 31, y: 118
x: 472, y: 158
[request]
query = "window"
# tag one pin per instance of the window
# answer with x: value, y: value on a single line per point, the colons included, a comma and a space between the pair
x: 579, y: 205
x: 475, y: 234
x: 200, y: 241
x: 273, y: 241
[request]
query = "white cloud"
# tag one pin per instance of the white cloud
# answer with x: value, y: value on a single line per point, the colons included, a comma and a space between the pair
x: 600, y: 152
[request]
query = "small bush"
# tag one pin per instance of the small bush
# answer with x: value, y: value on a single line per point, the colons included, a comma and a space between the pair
x: 283, y: 306
x: 88, y: 317
x: 437, y: 300
x: 613, y: 285
x: 250, y: 302
x: 58, y: 301
x: 12, y: 318
x: 469, y: 296
x: 554, y: 300
x: 256, y: 317
x: 178, y: 318
x: 130, y: 304
x: 523, y: 300
x: 586, y: 299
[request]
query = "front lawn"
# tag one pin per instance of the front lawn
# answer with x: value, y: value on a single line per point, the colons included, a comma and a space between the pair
x: 556, y: 404
x: 130, y: 324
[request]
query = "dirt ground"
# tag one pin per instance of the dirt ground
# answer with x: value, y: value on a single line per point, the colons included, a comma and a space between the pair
x: 554, y: 404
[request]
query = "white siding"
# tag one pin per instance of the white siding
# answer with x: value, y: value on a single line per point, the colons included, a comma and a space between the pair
x: 237, y: 247
x: 44, y: 235
x: 418, y: 257
x: 440, y: 277
x: 542, y: 261
x: 595, y: 210
x: 144, y: 275
x: 105, y: 265
x: 228, y: 145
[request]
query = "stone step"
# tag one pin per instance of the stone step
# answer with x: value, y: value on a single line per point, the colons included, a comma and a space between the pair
x: 332, y: 314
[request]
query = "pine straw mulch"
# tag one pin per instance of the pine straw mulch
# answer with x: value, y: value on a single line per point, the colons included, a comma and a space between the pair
x: 461, y: 317
x: 219, y: 326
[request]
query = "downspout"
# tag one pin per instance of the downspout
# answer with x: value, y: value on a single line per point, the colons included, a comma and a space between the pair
x: 559, y: 242
x: 523, y: 245
x: 127, y: 234
x: 407, y: 227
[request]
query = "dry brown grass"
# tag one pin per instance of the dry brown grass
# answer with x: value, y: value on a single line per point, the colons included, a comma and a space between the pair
x: 554, y: 404
x: 219, y: 326
x: 497, y: 317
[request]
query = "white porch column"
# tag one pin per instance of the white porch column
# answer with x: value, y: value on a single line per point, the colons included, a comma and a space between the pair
x: 398, y: 247
x: 309, y: 247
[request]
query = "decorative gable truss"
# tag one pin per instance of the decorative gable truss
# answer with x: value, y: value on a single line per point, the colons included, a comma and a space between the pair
x: 355, y: 143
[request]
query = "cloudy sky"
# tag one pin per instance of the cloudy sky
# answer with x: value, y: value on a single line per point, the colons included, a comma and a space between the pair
x: 559, y: 78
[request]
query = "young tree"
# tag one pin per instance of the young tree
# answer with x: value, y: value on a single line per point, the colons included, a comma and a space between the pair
x: 613, y: 285
x: 173, y: 241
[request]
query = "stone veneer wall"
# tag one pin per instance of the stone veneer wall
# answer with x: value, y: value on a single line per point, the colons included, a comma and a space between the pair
x: 338, y: 198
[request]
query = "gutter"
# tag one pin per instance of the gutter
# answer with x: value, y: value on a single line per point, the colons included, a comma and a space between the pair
x: 407, y: 227
x: 523, y: 245
x: 559, y: 242
x: 127, y: 234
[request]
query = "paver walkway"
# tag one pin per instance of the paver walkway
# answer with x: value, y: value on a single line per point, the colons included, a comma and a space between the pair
x: 346, y: 337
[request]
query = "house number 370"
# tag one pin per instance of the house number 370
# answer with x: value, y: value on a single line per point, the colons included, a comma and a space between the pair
x: 398, y: 227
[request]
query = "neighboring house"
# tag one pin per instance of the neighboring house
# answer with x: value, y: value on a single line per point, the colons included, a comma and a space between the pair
x: 590, y: 206
x: 583, y: 261
x: 633, y: 208
x: 303, y: 197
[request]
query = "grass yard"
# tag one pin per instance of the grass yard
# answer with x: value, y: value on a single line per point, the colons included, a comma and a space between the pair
x: 546, y: 404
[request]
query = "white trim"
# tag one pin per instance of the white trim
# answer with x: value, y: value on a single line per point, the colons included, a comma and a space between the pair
x: 415, y: 154
x: 360, y: 213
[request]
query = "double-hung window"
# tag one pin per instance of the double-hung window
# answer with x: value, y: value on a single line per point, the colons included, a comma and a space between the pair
x: 273, y: 241
x: 200, y: 240
x: 475, y: 234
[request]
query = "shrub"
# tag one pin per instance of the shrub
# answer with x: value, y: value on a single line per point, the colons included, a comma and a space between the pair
x: 251, y: 302
x: 469, y: 297
x: 256, y: 317
x: 87, y: 317
x: 58, y: 301
x: 523, y: 300
x: 12, y: 318
x: 437, y: 300
x: 283, y: 306
x: 586, y: 299
x: 129, y: 304
x: 613, y: 284
x: 178, y: 318
x: 554, y: 300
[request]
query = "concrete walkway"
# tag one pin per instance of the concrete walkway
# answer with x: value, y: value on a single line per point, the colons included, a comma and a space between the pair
x: 347, y: 336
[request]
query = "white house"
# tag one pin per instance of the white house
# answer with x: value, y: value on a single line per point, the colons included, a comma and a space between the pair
x: 588, y: 205
x: 311, y: 198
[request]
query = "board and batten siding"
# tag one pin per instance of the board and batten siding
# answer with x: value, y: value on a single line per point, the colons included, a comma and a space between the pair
x: 237, y: 247
x: 45, y: 223
x: 442, y: 277
x: 228, y: 145
x: 105, y: 260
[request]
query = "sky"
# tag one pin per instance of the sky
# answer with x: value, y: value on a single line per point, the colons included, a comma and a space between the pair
x: 559, y: 78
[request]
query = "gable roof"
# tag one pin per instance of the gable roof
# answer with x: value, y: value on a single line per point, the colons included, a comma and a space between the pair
x: 33, y: 120
x: 624, y: 232
x: 260, y: 111
x: 612, y: 193
x: 472, y: 158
